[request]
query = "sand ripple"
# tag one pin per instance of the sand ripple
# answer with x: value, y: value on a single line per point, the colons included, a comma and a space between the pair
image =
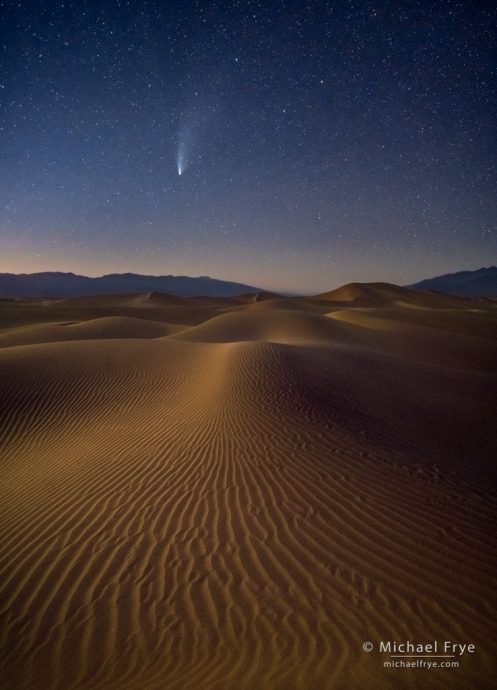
x: 187, y: 512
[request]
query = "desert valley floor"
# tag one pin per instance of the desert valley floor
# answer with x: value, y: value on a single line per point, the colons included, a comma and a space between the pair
x: 236, y: 494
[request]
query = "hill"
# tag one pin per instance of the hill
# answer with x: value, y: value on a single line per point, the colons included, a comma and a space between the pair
x: 480, y: 283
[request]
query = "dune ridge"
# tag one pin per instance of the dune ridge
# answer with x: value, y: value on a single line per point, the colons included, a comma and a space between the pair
x: 243, y: 502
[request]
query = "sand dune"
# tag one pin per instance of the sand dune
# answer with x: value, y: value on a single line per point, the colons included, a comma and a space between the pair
x: 237, y: 497
x: 280, y: 326
x: 379, y: 294
x: 100, y: 328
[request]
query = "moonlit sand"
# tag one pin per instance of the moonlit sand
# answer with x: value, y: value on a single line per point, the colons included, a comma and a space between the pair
x: 238, y: 493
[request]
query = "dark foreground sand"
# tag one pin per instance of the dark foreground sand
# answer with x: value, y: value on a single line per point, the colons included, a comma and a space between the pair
x: 236, y: 494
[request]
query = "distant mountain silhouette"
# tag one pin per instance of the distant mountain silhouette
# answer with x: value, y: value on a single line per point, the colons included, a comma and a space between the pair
x: 55, y: 284
x: 480, y: 283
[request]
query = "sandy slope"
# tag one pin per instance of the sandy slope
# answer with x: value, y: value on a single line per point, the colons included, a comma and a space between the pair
x: 237, y: 494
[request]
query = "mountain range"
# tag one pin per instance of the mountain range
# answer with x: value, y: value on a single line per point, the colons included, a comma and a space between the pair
x: 55, y: 284
x: 479, y: 283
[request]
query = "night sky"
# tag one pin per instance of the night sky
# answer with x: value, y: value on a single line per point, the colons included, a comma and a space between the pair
x: 318, y: 142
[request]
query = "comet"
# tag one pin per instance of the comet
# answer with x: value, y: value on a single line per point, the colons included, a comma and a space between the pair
x: 180, y: 163
x: 191, y: 129
x: 181, y: 156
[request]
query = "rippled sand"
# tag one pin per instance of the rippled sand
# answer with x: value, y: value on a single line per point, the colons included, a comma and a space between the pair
x: 236, y: 494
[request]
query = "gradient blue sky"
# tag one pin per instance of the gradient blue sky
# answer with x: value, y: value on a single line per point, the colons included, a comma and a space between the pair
x: 320, y: 142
